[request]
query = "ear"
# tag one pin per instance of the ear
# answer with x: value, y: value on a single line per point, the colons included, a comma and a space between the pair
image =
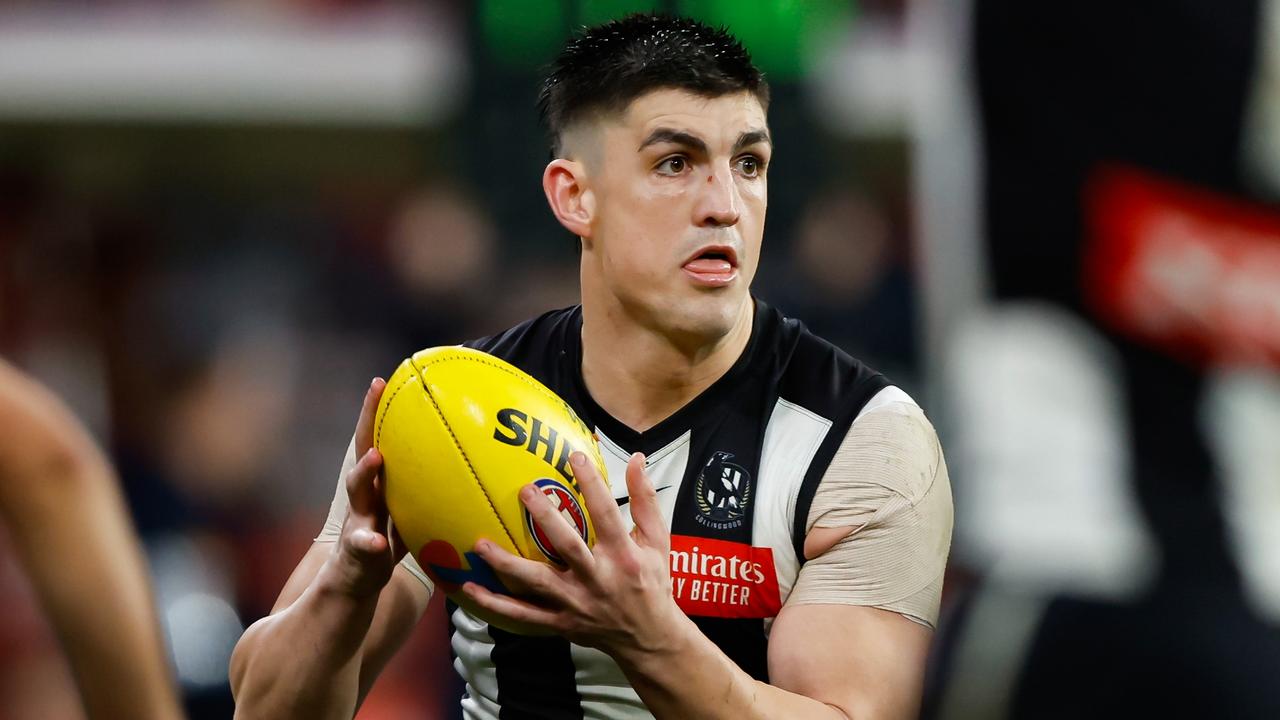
x: 572, y: 202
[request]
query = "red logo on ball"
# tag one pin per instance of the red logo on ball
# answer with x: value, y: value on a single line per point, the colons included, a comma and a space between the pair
x: 566, y: 503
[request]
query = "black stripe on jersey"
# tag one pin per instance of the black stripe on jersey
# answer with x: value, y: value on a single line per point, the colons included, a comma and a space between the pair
x: 866, y: 384
x: 743, y: 641
x: 735, y: 429
x: 536, y: 677
x: 834, y: 385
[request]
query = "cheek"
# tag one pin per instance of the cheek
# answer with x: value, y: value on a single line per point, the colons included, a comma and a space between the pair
x: 755, y: 193
x: 628, y: 257
x: 644, y: 232
x: 755, y: 200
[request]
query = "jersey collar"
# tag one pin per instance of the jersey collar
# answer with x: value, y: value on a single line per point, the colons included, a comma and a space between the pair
x: 693, y: 413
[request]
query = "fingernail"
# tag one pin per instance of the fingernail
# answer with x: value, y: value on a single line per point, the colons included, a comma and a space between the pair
x: 577, y: 459
x: 483, y: 546
x: 527, y: 493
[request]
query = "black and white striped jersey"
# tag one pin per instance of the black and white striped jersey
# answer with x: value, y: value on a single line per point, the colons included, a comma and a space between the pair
x: 736, y: 471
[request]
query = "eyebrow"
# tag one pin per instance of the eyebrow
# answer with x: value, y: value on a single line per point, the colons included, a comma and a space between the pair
x: 752, y: 137
x: 676, y: 137
x: 693, y: 142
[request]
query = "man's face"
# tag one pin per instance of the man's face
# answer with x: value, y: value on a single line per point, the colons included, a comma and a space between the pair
x: 680, y: 193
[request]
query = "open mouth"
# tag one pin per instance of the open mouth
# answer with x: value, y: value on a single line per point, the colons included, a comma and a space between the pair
x: 716, y: 265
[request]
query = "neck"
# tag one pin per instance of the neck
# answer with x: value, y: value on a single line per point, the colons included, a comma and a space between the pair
x: 641, y: 377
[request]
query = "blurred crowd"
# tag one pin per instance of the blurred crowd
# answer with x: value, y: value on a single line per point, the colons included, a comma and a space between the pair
x: 212, y: 298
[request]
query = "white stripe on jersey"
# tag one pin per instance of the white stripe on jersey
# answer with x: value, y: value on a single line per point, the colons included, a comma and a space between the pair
x: 887, y: 396
x: 665, y: 469
x: 791, y: 439
x: 604, y: 688
x: 605, y: 692
x: 472, y: 645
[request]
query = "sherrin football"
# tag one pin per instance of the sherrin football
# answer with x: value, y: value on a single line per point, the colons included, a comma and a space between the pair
x: 460, y: 432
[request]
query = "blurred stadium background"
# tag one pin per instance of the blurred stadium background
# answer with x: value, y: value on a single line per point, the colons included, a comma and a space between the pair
x: 1055, y: 224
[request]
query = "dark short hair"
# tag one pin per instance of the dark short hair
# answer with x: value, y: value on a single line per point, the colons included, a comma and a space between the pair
x: 604, y: 68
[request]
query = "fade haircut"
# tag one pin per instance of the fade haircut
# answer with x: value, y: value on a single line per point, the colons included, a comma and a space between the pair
x: 603, y: 69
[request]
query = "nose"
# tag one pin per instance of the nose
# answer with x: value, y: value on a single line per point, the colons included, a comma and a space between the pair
x: 718, y: 201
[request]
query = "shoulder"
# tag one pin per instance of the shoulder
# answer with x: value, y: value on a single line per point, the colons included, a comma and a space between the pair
x: 529, y: 344
x: 892, y: 446
x: 32, y: 411
x: 886, y: 509
x: 815, y: 374
x: 42, y: 434
x: 890, y: 455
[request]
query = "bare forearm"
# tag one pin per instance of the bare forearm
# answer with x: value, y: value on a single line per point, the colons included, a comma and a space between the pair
x: 304, y: 661
x: 692, y: 678
x: 72, y: 531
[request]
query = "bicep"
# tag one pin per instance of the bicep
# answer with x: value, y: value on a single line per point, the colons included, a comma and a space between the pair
x: 865, y: 661
x: 879, y: 530
x: 855, y: 630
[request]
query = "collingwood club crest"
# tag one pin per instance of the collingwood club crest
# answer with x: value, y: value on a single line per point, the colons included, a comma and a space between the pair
x: 724, y: 491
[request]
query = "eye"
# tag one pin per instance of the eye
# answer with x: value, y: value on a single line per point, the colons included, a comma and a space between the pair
x: 750, y: 166
x: 673, y: 165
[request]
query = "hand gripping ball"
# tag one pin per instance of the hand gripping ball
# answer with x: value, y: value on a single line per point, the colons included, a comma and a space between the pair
x: 460, y: 433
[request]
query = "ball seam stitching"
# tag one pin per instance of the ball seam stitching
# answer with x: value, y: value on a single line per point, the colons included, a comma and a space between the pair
x: 377, y: 431
x: 458, y: 446
x: 483, y: 361
x: 513, y: 372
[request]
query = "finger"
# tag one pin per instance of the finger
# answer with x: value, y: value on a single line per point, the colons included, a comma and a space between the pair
x: 521, y: 574
x: 644, y: 503
x: 512, y: 608
x: 600, y: 503
x: 564, y: 537
x: 364, y: 425
x: 362, y: 496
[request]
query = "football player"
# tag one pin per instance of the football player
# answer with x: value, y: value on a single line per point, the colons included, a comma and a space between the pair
x: 790, y: 565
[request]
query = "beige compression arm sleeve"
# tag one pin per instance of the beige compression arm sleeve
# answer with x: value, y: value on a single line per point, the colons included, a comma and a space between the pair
x: 888, y: 482
x: 338, y: 513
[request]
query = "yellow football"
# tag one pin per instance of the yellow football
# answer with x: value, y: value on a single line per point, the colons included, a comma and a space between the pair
x: 460, y: 432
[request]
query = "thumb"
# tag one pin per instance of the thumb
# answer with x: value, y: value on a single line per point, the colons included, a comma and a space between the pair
x: 366, y: 543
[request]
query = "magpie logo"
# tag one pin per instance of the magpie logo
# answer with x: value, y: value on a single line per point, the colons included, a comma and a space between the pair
x: 724, y: 491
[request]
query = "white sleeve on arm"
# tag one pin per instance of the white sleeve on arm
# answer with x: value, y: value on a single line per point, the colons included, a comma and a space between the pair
x: 338, y: 513
x: 888, y: 481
